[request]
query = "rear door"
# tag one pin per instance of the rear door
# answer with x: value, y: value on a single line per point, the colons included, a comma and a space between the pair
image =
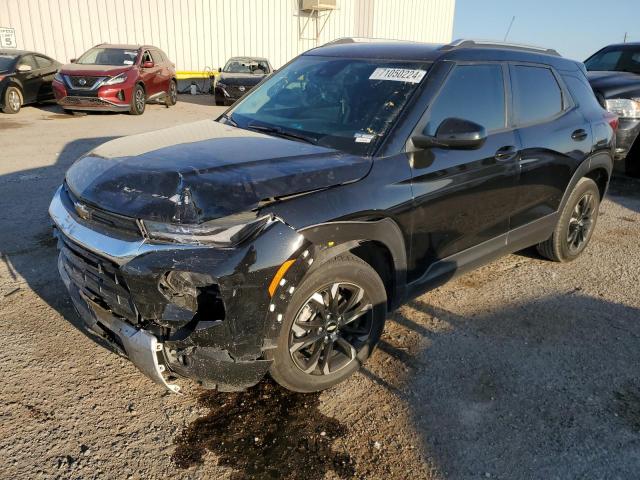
x: 149, y: 75
x: 31, y: 80
x: 163, y: 74
x: 48, y: 69
x: 555, y: 138
x: 464, y: 198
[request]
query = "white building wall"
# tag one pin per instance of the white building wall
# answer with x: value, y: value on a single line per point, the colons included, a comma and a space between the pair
x: 199, y: 35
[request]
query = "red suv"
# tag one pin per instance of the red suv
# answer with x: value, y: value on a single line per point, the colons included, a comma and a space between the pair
x: 121, y: 78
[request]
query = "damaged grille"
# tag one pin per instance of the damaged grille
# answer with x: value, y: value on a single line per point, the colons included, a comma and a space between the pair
x: 98, y: 218
x: 98, y: 278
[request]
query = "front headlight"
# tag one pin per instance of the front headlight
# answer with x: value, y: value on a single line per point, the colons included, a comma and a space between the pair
x: 116, y: 80
x: 58, y: 77
x: 624, y: 107
x: 226, y: 232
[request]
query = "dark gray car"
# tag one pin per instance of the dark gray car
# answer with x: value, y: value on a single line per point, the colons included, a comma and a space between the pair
x: 238, y: 77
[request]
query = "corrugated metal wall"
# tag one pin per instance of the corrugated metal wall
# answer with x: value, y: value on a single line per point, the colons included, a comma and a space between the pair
x: 201, y: 34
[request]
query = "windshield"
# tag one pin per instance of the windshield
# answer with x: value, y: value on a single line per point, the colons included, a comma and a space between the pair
x: 246, y: 66
x: 6, y: 62
x: 108, y: 56
x: 618, y: 59
x: 346, y: 104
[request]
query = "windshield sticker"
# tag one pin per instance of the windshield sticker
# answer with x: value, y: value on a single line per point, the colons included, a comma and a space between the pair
x: 363, y: 137
x: 128, y: 52
x: 128, y: 62
x: 398, y: 75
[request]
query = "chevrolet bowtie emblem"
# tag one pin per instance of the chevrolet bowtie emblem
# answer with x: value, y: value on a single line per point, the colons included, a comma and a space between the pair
x: 82, y: 211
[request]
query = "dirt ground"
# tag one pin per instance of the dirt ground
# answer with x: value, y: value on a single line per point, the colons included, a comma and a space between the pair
x: 522, y: 369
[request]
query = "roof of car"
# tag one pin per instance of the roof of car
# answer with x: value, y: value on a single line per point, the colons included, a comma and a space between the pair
x: 248, y: 58
x: 462, y: 50
x: 123, y: 46
x: 14, y: 53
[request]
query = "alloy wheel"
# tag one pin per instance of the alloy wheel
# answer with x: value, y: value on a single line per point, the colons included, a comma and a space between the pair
x: 14, y: 100
x: 581, y: 223
x: 139, y: 99
x: 173, y: 92
x: 331, y: 328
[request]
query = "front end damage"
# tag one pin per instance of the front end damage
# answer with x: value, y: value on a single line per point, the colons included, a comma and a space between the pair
x: 175, y: 310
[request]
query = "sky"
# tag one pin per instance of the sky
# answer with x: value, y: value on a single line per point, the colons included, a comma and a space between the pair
x: 575, y: 28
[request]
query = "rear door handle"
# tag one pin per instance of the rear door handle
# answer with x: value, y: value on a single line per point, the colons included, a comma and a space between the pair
x: 579, y: 135
x: 507, y: 153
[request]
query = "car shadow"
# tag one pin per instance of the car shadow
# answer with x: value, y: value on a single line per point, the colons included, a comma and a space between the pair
x: 28, y: 251
x: 538, y: 389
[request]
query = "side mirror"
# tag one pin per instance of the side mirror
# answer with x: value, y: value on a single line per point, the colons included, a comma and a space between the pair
x: 24, y: 68
x: 454, y: 133
x: 73, y: 60
x: 147, y: 64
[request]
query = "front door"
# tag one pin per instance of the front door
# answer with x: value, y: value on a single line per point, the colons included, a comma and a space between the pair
x: 463, y: 198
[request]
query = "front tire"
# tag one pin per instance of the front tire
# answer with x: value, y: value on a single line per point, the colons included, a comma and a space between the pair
x: 220, y: 101
x: 138, y: 100
x: 331, y: 326
x: 12, y: 100
x: 575, y: 225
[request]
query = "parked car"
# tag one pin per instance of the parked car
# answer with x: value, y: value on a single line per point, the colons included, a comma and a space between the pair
x: 238, y: 77
x: 277, y: 237
x: 614, y: 73
x: 25, y: 77
x: 118, y: 78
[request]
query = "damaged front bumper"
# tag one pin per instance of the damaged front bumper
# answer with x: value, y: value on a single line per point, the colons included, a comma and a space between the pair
x: 118, y: 285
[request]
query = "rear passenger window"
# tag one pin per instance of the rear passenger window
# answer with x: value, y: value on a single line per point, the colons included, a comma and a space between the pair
x: 43, y: 62
x: 582, y: 94
x: 471, y: 92
x: 536, y: 94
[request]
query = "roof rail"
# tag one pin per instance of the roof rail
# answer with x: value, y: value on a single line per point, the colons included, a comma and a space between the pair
x: 342, y: 40
x: 462, y: 43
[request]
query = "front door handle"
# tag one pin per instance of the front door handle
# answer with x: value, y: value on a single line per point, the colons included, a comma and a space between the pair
x: 579, y: 135
x: 507, y: 153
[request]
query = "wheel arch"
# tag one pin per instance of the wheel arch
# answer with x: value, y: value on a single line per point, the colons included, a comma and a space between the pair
x: 598, y: 167
x: 380, y: 243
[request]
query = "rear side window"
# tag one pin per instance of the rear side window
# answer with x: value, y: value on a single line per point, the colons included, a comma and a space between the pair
x: 43, y: 62
x: 536, y: 94
x: 471, y: 92
x: 582, y: 94
x: 29, y: 60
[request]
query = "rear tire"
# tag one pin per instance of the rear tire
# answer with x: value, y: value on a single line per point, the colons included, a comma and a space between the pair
x: 138, y: 100
x: 575, y: 225
x: 172, y: 94
x: 12, y: 100
x: 339, y: 311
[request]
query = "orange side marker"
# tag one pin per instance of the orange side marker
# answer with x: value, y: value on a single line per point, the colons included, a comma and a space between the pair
x: 278, y: 276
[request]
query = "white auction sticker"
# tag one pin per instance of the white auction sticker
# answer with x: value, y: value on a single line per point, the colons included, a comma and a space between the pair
x: 363, y: 137
x: 398, y: 75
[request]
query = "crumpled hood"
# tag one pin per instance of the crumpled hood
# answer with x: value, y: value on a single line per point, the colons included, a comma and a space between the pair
x: 615, y: 84
x: 205, y: 170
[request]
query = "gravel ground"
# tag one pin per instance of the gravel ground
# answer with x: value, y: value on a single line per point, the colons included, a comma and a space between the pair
x: 521, y: 369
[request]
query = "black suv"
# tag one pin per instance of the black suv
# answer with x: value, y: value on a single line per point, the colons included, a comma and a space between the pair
x: 614, y: 73
x: 277, y: 237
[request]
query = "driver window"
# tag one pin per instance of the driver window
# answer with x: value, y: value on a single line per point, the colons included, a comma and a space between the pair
x: 471, y: 92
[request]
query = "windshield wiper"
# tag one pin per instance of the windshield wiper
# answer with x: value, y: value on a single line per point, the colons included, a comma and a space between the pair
x: 282, y: 133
